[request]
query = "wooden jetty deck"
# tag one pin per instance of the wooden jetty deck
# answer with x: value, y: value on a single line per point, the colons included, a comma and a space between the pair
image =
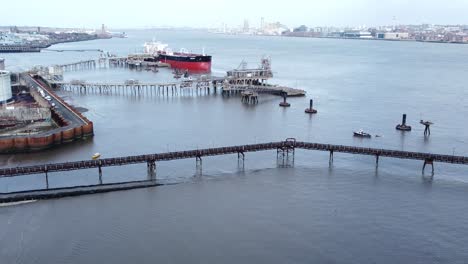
x: 284, y: 150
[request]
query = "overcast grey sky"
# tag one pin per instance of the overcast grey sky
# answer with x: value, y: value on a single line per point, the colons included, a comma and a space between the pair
x: 211, y: 13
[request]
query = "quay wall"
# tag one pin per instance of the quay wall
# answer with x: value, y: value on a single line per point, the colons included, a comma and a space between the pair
x: 65, y: 133
x: 46, y: 140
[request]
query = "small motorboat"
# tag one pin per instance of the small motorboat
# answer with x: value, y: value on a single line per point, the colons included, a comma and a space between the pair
x: 96, y: 156
x: 362, y: 134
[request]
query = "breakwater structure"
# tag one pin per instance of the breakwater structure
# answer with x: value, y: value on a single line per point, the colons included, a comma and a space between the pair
x: 285, y: 150
x: 72, y: 125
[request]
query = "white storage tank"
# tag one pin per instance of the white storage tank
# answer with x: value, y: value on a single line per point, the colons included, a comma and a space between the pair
x: 5, y: 86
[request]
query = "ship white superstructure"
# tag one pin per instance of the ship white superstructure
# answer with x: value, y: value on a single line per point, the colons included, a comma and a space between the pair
x: 154, y: 47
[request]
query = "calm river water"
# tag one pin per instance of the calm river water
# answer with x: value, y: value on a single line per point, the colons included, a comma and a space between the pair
x: 349, y: 212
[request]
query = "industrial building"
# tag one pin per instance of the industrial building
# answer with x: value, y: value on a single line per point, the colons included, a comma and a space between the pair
x: 393, y: 35
x: 357, y: 34
x: 5, y: 86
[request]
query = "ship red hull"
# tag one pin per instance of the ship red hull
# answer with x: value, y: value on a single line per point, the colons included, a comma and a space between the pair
x: 187, y: 61
x: 187, y: 65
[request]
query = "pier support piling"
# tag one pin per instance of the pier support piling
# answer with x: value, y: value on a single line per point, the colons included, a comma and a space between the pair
x: 285, y: 155
x: 284, y: 103
x: 240, y: 159
x: 427, y: 129
x: 199, y: 165
x: 428, y: 162
x: 46, y: 177
x: 151, y: 165
x: 311, y: 109
x: 240, y: 156
x: 403, y: 126
x: 100, y: 171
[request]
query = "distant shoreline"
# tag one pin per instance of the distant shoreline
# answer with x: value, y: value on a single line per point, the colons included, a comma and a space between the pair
x: 392, y: 40
x: 39, y: 48
x: 320, y: 37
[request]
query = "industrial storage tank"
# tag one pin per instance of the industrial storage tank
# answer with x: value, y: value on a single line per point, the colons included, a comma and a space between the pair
x: 5, y: 86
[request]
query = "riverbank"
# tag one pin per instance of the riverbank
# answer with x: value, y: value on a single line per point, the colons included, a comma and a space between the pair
x: 378, y: 39
x: 52, y: 39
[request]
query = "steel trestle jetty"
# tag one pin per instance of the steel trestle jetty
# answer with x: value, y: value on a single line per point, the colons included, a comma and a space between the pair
x: 119, y: 161
x: 284, y: 149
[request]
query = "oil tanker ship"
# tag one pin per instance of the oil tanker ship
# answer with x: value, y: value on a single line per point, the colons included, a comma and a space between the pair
x: 182, y: 60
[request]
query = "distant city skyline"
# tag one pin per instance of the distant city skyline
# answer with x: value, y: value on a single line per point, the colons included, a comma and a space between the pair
x: 213, y: 13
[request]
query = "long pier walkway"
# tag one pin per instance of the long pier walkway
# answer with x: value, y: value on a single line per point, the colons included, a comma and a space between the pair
x: 284, y: 149
x: 77, y: 66
x: 288, y: 145
x: 137, y: 88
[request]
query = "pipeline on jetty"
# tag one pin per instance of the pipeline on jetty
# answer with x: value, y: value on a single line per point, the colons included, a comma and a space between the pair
x: 284, y: 150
